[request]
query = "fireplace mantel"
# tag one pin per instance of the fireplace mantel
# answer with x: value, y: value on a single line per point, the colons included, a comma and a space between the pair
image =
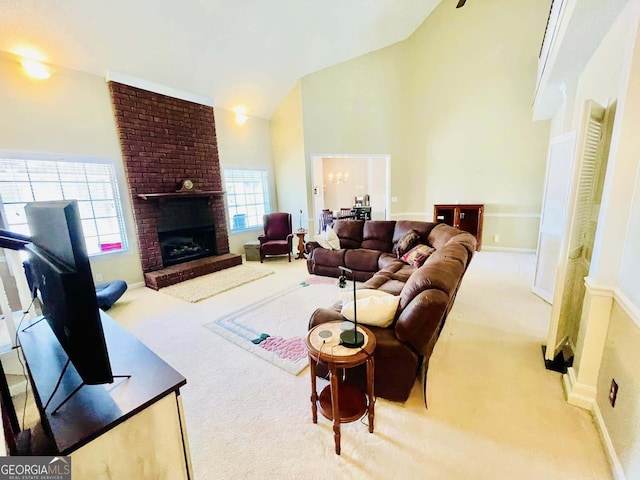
x: 160, y: 196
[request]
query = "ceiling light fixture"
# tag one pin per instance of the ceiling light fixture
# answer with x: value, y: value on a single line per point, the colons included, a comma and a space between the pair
x: 35, y: 69
x: 241, y: 115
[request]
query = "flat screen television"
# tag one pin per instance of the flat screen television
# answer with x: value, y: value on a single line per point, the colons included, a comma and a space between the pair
x: 60, y: 274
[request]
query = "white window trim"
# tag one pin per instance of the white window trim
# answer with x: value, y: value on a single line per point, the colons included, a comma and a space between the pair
x: 74, y: 157
x: 267, y: 198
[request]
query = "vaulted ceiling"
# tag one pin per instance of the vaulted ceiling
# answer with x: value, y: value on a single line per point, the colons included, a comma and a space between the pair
x: 248, y: 52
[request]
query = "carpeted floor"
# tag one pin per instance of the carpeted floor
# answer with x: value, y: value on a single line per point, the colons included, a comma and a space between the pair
x: 206, y: 286
x: 494, y: 411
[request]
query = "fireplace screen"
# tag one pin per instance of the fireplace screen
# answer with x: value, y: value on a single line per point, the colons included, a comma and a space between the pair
x: 183, y: 245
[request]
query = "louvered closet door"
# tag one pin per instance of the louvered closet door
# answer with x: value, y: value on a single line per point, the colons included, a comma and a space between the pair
x: 568, y: 292
x: 554, y: 214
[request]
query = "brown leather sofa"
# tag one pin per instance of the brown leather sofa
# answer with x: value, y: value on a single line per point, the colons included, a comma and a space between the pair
x: 426, y: 293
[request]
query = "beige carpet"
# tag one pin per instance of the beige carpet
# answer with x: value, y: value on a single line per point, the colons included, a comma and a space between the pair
x: 199, y: 288
x: 494, y: 411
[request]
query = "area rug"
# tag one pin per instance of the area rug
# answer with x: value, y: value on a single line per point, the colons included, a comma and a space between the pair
x: 206, y: 286
x: 274, y: 328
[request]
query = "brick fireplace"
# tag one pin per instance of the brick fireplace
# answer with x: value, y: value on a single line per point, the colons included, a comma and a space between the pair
x: 165, y: 141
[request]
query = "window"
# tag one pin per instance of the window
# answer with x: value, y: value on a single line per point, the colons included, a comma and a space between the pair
x: 247, y: 197
x: 91, y: 182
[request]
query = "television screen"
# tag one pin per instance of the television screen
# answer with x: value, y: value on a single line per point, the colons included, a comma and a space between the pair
x: 60, y: 271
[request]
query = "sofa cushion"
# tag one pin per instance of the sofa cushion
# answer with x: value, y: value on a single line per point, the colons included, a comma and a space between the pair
x: 417, y: 255
x: 349, y: 232
x: 440, y: 271
x: 328, y: 258
x: 406, y: 243
x: 378, y: 235
x: 386, y: 284
x: 405, y: 226
x: 362, y: 259
x: 443, y: 234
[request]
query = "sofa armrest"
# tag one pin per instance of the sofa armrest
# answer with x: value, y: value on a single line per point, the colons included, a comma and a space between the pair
x: 311, y: 245
x: 262, y: 238
x: 324, y: 315
x: 421, y: 319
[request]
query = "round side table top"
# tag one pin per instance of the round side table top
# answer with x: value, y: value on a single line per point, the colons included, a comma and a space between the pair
x: 323, y: 343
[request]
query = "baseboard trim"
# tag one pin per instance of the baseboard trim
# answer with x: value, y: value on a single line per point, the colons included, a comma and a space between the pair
x: 492, y: 248
x: 577, y: 394
x: 614, y: 461
x: 136, y: 285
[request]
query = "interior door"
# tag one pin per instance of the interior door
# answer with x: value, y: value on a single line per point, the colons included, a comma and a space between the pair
x: 575, y: 253
x: 553, y: 218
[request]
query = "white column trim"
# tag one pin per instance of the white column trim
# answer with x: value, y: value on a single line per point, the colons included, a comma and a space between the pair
x: 580, y: 395
x: 621, y: 298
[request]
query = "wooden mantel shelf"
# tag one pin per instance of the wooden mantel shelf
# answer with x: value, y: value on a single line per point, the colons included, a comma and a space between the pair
x: 197, y: 193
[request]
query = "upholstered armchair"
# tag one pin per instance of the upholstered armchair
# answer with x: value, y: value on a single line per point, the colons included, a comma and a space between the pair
x: 278, y: 235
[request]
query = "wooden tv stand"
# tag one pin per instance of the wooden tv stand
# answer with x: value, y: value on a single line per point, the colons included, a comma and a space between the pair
x: 132, y: 428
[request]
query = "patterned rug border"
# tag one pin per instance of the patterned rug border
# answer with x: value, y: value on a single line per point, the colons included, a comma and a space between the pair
x: 234, y: 331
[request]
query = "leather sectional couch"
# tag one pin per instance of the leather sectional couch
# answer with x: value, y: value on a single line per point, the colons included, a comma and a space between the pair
x: 426, y: 293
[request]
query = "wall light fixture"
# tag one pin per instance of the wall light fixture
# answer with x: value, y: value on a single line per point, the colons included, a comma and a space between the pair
x: 241, y: 115
x: 338, y: 178
x: 35, y: 69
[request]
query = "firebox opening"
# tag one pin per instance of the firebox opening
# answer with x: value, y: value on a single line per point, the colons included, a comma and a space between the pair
x: 185, y: 244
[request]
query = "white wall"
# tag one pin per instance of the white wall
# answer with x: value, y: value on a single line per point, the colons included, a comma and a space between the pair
x: 293, y: 168
x: 245, y: 146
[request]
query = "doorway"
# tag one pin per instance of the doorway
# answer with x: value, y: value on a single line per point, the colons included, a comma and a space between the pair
x: 340, y: 179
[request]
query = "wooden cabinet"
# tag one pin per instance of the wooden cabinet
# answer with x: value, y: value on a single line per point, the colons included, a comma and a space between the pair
x: 464, y: 217
x: 133, y: 428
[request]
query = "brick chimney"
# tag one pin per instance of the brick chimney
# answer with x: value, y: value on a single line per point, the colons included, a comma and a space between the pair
x: 165, y: 141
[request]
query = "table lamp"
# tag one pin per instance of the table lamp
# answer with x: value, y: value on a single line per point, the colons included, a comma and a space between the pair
x: 352, y: 338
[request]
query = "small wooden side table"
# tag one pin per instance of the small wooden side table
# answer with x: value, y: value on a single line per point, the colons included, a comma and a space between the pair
x: 340, y: 401
x: 300, y: 234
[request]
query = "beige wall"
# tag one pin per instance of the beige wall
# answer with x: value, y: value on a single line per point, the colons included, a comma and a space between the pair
x: 292, y: 167
x: 452, y: 105
x: 245, y: 146
x: 68, y: 114
x: 620, y: 362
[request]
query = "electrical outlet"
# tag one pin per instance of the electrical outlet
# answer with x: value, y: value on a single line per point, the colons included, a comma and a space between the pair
x: 394, y: 199
x: 98, y: 277
x: 613, y: 393
x: 496, y: 238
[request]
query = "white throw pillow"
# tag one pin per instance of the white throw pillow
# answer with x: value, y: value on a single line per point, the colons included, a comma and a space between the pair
x: 328, y: 239
x: 347, y: 294
x: 375, y: 311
